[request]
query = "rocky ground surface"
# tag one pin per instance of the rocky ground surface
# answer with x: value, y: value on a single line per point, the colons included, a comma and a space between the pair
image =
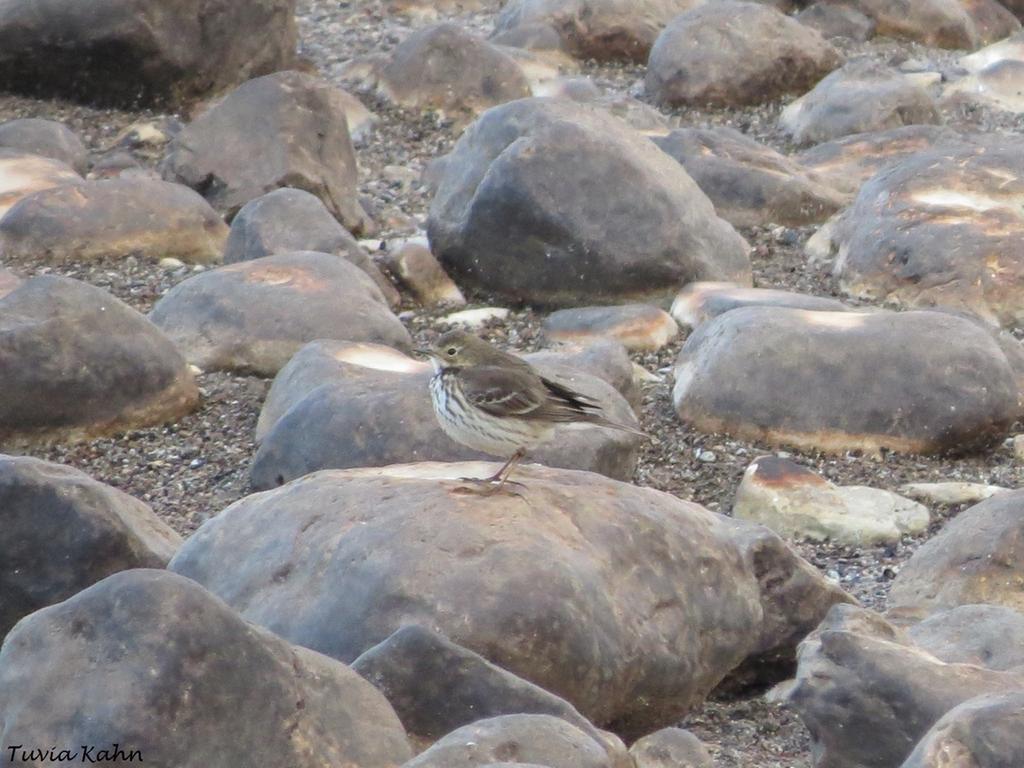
x: 191, y: 470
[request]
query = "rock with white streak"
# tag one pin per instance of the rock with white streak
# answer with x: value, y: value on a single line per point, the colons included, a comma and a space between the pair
x: 950, y: 492
x: 698, y: 302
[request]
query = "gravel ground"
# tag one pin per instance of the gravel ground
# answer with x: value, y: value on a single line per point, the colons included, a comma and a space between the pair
x: 191, y: 470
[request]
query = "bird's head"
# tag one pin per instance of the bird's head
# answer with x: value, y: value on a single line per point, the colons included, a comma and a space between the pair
x: 460, y: 349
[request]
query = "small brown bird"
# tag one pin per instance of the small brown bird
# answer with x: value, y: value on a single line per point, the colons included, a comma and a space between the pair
x: 497, y: 403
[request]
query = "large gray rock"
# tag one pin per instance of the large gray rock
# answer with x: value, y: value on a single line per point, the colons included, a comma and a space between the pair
x: 75, y: 363
x: 973, y: 559
x: 868, y: 696
x: 839, y: 381
x: 62, y: 531
x: 750, y: 184
x: 288, y: 220
x: 338, y: 405
x: 594, y: 29
x: 554, y: 202
x: 114, y: 218
x: 987, y: 635
x: 515, y: 739
x: 123, y: 52
x: 984, y: 732
x: 940, y: 228
x: 283, y: 130
x: 447, y: 69
x: 698, y: 302
x: 590, y: 588
x: 436, y: 686
x: 254, y: 315
x: 46, y: 138
x: 185, y: 682
x: 862, y: 96
x: 730, y: 53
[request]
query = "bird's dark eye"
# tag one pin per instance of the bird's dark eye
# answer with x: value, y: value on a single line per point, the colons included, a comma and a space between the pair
x: 452, y: 351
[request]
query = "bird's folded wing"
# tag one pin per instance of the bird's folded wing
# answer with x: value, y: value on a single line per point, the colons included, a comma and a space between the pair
x: 503, y: 391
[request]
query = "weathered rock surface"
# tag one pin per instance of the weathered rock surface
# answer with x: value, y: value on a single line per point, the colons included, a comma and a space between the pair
x: 63, y: 531
x: 847, y: 163
x: 940, y: 229
x: 797, y: 503
x: 75, y: 362
x: 8, y: 281
x: 46, y: 138
x: 699, y: 302
x: 116, y: 52
x: 288, y: 220
x: 531, y: 739
x: 989, y: 636
x: 749, y: 183
x: 185, y: 682
x: 593, y: 29
x: 447, y: 69
x: 996, y: 86
x: 973, y: 559
x: 627, y: 602
x: 538, y: 203
x: 254, y: 315
x: 837, y: 20
x: 338, y: 405
x: 862, y: 96
x: 940, y: 23
x: 419, y: 272
x: 283, y: 130
x: 670, y: 748
x: 868, y: 697
x: 638, y: 327
x: 769, y: 374
x: 730, y: 53
x: 114, y: 218
x: 436, y: 686
x: 984, y: 732
x: 22, y: 174
x: 950, y: 492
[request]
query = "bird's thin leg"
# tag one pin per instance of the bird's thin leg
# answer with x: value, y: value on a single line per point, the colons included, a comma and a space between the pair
x: 499, y: 479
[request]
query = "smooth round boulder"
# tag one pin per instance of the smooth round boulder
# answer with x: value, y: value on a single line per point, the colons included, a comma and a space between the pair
x: 940, y: 23
x: 288, y: 220
x: 606, y: 30
x: 254, y: 315
x: 76, y: 363
x: 114, y: 218
x: 418, y: 271
x: 444, y: 68
x: 540, y: 202
x: 61, y: 531
x: 627, y: 602
x: 46, y: 138
x: 670, y: 748
x: 941, y: 228
x: 338, y: 405
x: 973, y: 559
x: 22, y: 173
x: 730, y: 53
x: 127, y: 52
x: 841, y: 381
x: 185, y: 681
x: 531, y: 739
x: 837, y: 20
x: 862, y: 96
x: 288, y: 129
x: 750, y: 184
